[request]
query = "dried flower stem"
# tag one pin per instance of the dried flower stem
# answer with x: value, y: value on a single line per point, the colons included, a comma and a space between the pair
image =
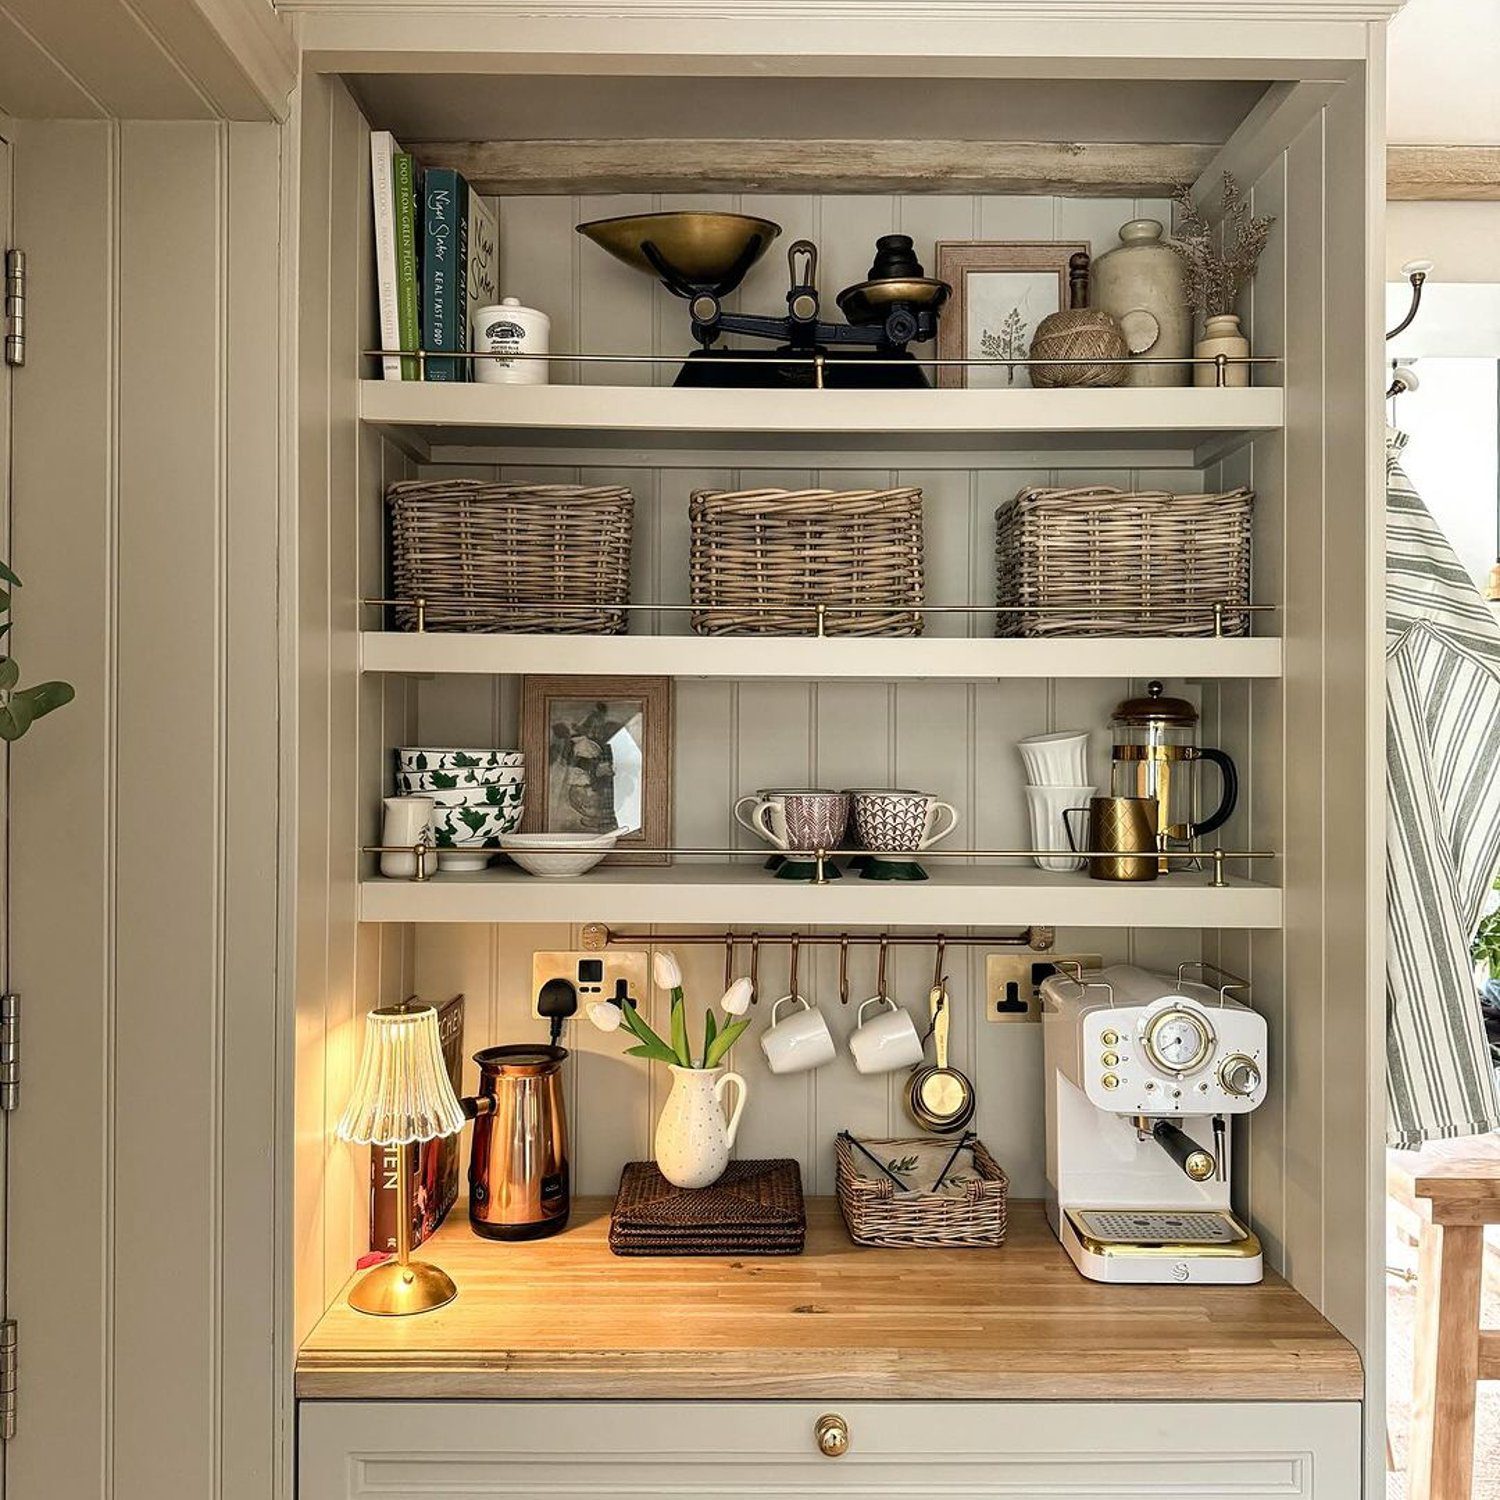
x: 1215, y: 277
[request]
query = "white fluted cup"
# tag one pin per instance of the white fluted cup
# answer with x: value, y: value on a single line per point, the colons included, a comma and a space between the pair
x: 1056, y: 759
x: 1048, y: 831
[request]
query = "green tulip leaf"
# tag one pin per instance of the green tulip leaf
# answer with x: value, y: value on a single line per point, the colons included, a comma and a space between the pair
x: 637, y: 1024
x: 710, y: 1031
x: 657, y: 1053
x: 679, y: 1033
x: 723, y: 1042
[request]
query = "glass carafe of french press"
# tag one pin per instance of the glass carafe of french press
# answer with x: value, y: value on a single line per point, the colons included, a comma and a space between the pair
x: 1156, y: 754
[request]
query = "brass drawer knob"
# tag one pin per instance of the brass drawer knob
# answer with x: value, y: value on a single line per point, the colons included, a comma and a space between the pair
x: 833, y: 1435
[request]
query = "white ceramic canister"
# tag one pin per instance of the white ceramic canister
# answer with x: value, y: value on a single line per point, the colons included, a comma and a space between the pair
x: 1141, y: 284
x: 505, y: 327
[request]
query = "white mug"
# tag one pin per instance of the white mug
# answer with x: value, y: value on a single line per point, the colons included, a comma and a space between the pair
x: 887, y: 1042
x: 799, y: 1043
x: 408, y: 822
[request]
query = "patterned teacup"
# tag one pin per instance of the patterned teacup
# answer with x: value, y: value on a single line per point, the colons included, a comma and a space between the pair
x: 899, y: 824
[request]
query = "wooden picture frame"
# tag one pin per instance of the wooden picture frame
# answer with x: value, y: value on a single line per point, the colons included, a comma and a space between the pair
x: 961, y: 263
x: 574, y: 777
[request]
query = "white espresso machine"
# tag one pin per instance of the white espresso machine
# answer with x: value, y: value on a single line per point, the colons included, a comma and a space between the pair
x: 1143, y: 1073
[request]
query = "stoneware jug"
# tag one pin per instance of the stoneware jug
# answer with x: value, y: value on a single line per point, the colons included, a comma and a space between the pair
x: 1141, y: 284
x: 693, y: 1139
x: 1222, y: 335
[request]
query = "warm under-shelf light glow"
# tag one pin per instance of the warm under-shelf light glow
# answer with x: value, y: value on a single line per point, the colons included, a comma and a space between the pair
x: 402, y: 1093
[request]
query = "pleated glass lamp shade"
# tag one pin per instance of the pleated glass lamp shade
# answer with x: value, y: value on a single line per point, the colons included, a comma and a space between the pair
x: 402, y: 1093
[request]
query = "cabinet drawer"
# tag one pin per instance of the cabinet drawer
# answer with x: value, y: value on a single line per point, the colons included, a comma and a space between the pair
x: 1126, y: 1450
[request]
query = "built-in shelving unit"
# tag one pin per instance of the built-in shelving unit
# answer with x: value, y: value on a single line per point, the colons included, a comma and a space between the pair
x: 805, y: 659
x: 744, y: 893
x: 450, y: 421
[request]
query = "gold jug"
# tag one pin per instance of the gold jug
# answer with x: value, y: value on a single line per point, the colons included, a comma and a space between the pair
x: 1122, y: 837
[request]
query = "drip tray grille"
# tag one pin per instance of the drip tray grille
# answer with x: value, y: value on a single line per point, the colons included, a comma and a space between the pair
x: 1153, y: 1226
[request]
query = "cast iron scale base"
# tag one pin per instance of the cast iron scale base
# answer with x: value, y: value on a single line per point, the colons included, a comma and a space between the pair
x: 703, y: 257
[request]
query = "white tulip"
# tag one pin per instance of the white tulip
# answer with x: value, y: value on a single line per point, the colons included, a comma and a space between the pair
x: 736, y: 999
x: 606, y: 1015
x: 664, y: 967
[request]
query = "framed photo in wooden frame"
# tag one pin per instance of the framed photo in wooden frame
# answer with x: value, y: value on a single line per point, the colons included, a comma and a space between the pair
x: 599, y: 756
x: 1001, y: 290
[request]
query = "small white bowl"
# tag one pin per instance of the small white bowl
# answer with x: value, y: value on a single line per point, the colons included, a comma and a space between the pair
x: 538, y: 854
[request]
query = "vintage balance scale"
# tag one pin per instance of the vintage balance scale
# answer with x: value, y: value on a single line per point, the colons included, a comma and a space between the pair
x: 702, y: 257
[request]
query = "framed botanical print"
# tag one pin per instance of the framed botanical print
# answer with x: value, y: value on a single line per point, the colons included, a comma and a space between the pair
x: 1001, y: 290
x: 599, y: 756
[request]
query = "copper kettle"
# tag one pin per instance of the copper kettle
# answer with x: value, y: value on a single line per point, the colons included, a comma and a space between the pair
x: 518, y: 1162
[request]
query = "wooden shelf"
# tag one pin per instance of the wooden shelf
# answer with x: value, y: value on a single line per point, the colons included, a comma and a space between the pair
x: 562, y: 1318
x: 747, y: 657
x: 660, y: 425
x: 741, y: 893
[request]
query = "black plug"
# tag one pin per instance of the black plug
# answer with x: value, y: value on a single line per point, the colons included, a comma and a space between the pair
x: 557, y: 1001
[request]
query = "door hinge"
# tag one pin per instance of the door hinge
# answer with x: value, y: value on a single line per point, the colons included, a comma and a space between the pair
x: 8, y: 1371
x: 15, y: 307
x: 10, y: 1050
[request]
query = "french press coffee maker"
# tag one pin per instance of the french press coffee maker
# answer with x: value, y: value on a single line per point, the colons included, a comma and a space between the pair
x: 1155, y: 754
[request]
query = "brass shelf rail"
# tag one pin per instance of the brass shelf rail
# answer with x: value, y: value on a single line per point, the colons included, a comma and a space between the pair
x: 1220, y: 611
x: 1216, y: 858
x: 1219, y: 363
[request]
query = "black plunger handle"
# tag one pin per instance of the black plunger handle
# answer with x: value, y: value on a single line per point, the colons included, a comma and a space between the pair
x: 1227, y: 803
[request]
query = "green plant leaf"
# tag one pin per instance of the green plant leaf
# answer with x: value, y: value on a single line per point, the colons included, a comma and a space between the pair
x: 8, y: 576
x: 636, y: 1022
x: 15, y: 718
x: 723, y: 1042
x: 10, y: 672
x: 679, y: 1031
x: 45, y: 696
x: 4, y: 629
x: 710, y: 1031
x: 656, y: 1054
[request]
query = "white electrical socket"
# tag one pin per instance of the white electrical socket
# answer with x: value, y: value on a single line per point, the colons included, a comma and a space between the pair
x: 594, y: 975
x: 1012, y: 982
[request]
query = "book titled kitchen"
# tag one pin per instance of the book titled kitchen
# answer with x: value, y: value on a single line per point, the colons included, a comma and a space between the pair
x: 445, y: 271
x: 434, y: 1164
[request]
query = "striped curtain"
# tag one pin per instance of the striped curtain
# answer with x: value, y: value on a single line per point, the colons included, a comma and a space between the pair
x: 1443, y: 824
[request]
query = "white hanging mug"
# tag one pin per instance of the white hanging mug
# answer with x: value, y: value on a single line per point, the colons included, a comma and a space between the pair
x: 407, y: 822
x: 886, y: 1042
x: 799, y: 1043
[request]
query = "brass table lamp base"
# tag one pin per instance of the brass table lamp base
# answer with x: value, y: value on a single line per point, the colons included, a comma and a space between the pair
x: 394, y: 1290
x: 403, y: 1285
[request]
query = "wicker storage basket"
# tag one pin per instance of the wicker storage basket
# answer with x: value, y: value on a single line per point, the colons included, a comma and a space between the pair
x: 1113, y: 562
x: 876, y: 1214
x: 465, y: 546
x: 763, y: 560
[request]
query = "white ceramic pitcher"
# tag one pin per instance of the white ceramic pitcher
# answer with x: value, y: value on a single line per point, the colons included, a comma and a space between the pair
x: 692, y: 1137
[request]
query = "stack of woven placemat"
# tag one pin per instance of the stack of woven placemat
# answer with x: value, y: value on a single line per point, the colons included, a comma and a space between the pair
x: 755, y: 1208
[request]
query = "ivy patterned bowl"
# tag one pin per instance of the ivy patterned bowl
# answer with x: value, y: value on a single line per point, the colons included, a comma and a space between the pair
x: 506, y: 794
x: 418, y: 758
x: 424, y: 783
x: 456, y: 830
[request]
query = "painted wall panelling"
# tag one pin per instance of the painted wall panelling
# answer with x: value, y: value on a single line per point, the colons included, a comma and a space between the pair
x: 143, y: 1212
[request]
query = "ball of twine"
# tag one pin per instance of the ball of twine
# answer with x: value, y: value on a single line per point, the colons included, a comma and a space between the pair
x: 1078, y: 333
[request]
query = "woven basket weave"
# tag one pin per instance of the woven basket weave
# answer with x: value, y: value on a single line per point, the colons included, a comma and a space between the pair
x: 1122, y: 563
x: 876, y: 1214
x: 762, y: 560
x: 465, y: 546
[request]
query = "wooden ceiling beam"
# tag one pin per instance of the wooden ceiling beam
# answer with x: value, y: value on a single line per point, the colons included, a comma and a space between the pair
x: 1465, y: 174
x: 1071, y: 169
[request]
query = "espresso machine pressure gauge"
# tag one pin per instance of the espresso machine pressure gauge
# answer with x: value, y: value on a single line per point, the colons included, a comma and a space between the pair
x: 1178, y: 1040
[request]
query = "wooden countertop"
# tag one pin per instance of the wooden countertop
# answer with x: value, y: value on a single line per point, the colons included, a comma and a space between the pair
x: 564, y: 1318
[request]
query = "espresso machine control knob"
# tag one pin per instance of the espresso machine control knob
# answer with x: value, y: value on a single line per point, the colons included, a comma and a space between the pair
x: 1239, y: 1075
